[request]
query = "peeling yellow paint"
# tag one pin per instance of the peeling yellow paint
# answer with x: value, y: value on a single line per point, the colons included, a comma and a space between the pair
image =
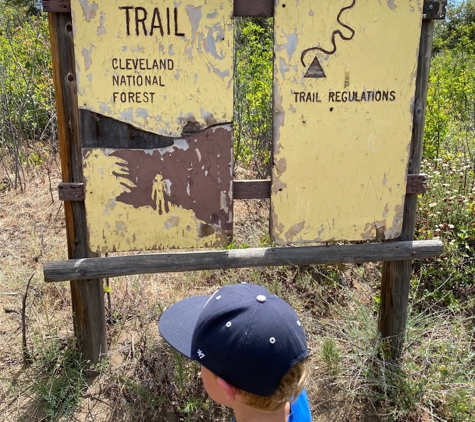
x: 294, y: 231
x: 88, y: 10
x: 278, y: 186
x: 275, y: 225
x: 370, y: 229
x: 100, y: 29
x: 174, y: 59
x: 345, y: 131
x: 281, y: 165
x: 116, y: 226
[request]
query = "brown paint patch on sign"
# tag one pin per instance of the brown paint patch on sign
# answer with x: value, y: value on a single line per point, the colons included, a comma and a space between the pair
x: 195, y: 174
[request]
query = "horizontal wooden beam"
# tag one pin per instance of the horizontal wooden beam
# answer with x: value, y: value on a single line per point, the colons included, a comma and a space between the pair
x: 58, y: 6
x: 243, y: 189
x: 242, y: 8
x: 433, y: 10
x: 91, y: 268
x: 251, y: 189
x: 247, y: 8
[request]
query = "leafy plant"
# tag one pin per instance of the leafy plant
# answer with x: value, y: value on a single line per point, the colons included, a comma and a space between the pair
x: 447, y: 211
x: 450, y: 115
x: 253, y: 94
x: 27, y: 113
x: 57, y: 379
x: 457, y: 28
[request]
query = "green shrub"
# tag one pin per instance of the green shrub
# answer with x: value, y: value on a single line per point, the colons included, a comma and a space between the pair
x: 450, y: 121
x: 447, y: 211
x: 254, y: 53
x: 27, y: 112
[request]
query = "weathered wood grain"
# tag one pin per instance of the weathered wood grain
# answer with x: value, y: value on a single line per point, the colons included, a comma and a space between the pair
x: 81, y: 269
x: 61, y: 6
x: 263, y: 8
x: 241, y: 7
x: 88, y: 296
x: 251, y: 189
x: 396, y: 275
x: 243, y: 189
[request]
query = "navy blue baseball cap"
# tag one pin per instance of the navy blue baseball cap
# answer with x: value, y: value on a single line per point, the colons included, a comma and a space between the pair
x: 242, y: 333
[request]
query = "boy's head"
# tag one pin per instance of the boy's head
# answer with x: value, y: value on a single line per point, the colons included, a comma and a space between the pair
x: 245, y: 336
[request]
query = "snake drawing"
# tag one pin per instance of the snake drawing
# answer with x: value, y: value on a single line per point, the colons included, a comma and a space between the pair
x: 336, y: 32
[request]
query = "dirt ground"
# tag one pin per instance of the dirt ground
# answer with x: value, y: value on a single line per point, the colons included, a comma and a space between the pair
x: 32, y: 231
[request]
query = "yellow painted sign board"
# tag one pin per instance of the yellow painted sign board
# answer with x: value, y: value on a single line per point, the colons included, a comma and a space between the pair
x: 155, y: 64
x: 155, y: 93
x: 344, y: 85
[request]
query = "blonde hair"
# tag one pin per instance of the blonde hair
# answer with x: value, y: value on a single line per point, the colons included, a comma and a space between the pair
x: 289, y: 389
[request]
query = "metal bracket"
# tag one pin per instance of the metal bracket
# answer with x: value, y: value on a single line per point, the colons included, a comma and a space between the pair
x: 435, y: 10
x: 71, y: 192
x: 416, y: 183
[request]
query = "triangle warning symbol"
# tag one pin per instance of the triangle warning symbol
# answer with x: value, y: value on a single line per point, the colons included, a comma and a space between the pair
x: 315, y: 70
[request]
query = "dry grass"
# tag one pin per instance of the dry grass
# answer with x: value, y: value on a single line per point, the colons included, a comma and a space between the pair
x: 143, y: 379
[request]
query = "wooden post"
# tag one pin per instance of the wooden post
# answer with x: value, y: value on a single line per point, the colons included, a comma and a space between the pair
x: 87, y: 296
x: 396, y: 275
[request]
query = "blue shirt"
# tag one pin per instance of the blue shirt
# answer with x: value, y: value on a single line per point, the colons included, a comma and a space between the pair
x: 300, y: 409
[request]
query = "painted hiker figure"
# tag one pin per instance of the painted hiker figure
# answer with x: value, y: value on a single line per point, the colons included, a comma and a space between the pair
x: 251, y: 347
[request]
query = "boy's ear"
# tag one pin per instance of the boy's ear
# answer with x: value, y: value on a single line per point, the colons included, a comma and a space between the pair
x: 229, y: 390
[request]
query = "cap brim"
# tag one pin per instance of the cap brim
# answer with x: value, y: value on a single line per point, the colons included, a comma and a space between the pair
x: 177, y: 323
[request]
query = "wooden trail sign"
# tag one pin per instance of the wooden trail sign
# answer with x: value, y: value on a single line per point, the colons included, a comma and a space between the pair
x: 344, y: 84
x: 114, y: 138
x: 155, y: 94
